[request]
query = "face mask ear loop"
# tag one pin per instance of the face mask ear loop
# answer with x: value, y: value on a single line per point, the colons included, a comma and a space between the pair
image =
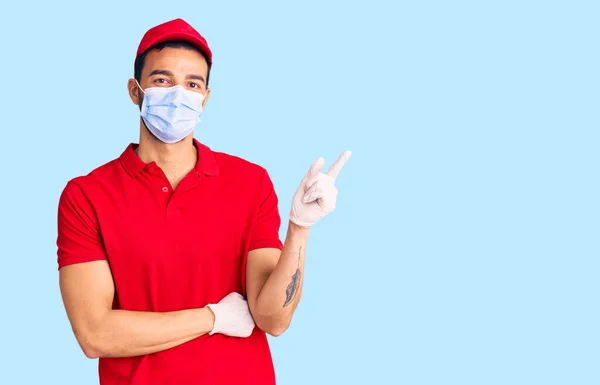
x: 140, y: 87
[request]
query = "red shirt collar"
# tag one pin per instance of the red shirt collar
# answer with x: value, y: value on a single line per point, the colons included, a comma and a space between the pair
x: 206, y: 164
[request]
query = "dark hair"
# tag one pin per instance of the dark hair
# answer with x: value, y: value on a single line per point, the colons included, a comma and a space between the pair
x: 141, y: 59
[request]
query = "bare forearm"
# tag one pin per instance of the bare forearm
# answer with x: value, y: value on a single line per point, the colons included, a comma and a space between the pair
x: 120, y: 333
x: 281, y: 293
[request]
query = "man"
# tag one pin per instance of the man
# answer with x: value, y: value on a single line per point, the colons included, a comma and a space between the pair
x: 169, y: 256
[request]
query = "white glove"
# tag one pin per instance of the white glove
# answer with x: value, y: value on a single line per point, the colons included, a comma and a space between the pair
x: 316, y: 196
x: 232, y: 316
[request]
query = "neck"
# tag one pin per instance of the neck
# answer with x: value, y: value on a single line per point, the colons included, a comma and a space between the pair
x: 176, y: 160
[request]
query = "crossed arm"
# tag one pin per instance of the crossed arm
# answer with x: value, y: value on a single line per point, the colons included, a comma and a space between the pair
x: 88, y: 291
x: 274, y: 285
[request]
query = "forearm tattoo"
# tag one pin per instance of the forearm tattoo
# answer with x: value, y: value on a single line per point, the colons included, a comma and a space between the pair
x: 292, y: 288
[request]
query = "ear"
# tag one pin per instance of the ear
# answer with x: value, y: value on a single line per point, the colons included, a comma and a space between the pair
x: 206, y: 96
x: 134, y: 91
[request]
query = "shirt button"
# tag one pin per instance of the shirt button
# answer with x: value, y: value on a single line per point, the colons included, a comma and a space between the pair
x: 165, y: 189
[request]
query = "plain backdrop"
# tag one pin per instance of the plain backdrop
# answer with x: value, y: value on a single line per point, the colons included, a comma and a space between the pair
x: 464, y: 248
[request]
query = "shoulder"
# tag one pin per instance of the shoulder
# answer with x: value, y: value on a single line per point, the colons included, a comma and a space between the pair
x: 247, y: 177
x: 82, y: 186
x: 232, y: 165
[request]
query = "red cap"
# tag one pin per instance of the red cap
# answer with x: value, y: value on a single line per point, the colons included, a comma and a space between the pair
x: 177, y: 29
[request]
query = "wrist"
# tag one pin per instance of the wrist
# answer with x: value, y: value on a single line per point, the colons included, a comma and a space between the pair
x: 208, y: 319
x: 294, y: 228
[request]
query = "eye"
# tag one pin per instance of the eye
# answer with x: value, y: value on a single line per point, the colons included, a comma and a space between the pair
x: 194, y: 85
x: 161, y: 81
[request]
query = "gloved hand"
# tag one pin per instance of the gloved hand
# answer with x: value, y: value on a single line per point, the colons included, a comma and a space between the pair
x: 317, y: 195
x: 232, y: 316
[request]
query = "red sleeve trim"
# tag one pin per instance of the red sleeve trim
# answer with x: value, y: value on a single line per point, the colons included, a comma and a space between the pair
x: 267, y: 243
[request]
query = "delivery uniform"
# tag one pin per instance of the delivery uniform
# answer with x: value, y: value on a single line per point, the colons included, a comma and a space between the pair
x: 173, y: 250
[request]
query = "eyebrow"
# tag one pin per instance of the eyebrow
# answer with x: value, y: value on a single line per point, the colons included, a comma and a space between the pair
x: 169, y: 73
x: 161, y: 72
x: 196, y: 77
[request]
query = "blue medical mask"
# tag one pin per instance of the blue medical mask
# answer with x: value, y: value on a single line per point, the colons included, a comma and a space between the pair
x: 171, y: 113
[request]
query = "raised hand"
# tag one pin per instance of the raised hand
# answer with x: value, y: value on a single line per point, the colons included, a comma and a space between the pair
x: 317, y: 195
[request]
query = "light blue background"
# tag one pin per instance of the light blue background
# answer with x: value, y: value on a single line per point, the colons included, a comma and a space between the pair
x: 464, y: 249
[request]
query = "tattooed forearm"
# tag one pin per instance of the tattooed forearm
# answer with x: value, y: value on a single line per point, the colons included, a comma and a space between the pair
x: 292, y: 288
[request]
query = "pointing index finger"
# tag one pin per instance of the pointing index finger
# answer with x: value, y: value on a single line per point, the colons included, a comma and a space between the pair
x: 336, y: 167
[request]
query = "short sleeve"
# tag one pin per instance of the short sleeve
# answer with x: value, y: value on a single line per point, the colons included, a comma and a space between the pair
x: 265, y: 232
x: 79, y: 239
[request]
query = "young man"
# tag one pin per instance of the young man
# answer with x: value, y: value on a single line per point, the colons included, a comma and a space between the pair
x: 169, y: 256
